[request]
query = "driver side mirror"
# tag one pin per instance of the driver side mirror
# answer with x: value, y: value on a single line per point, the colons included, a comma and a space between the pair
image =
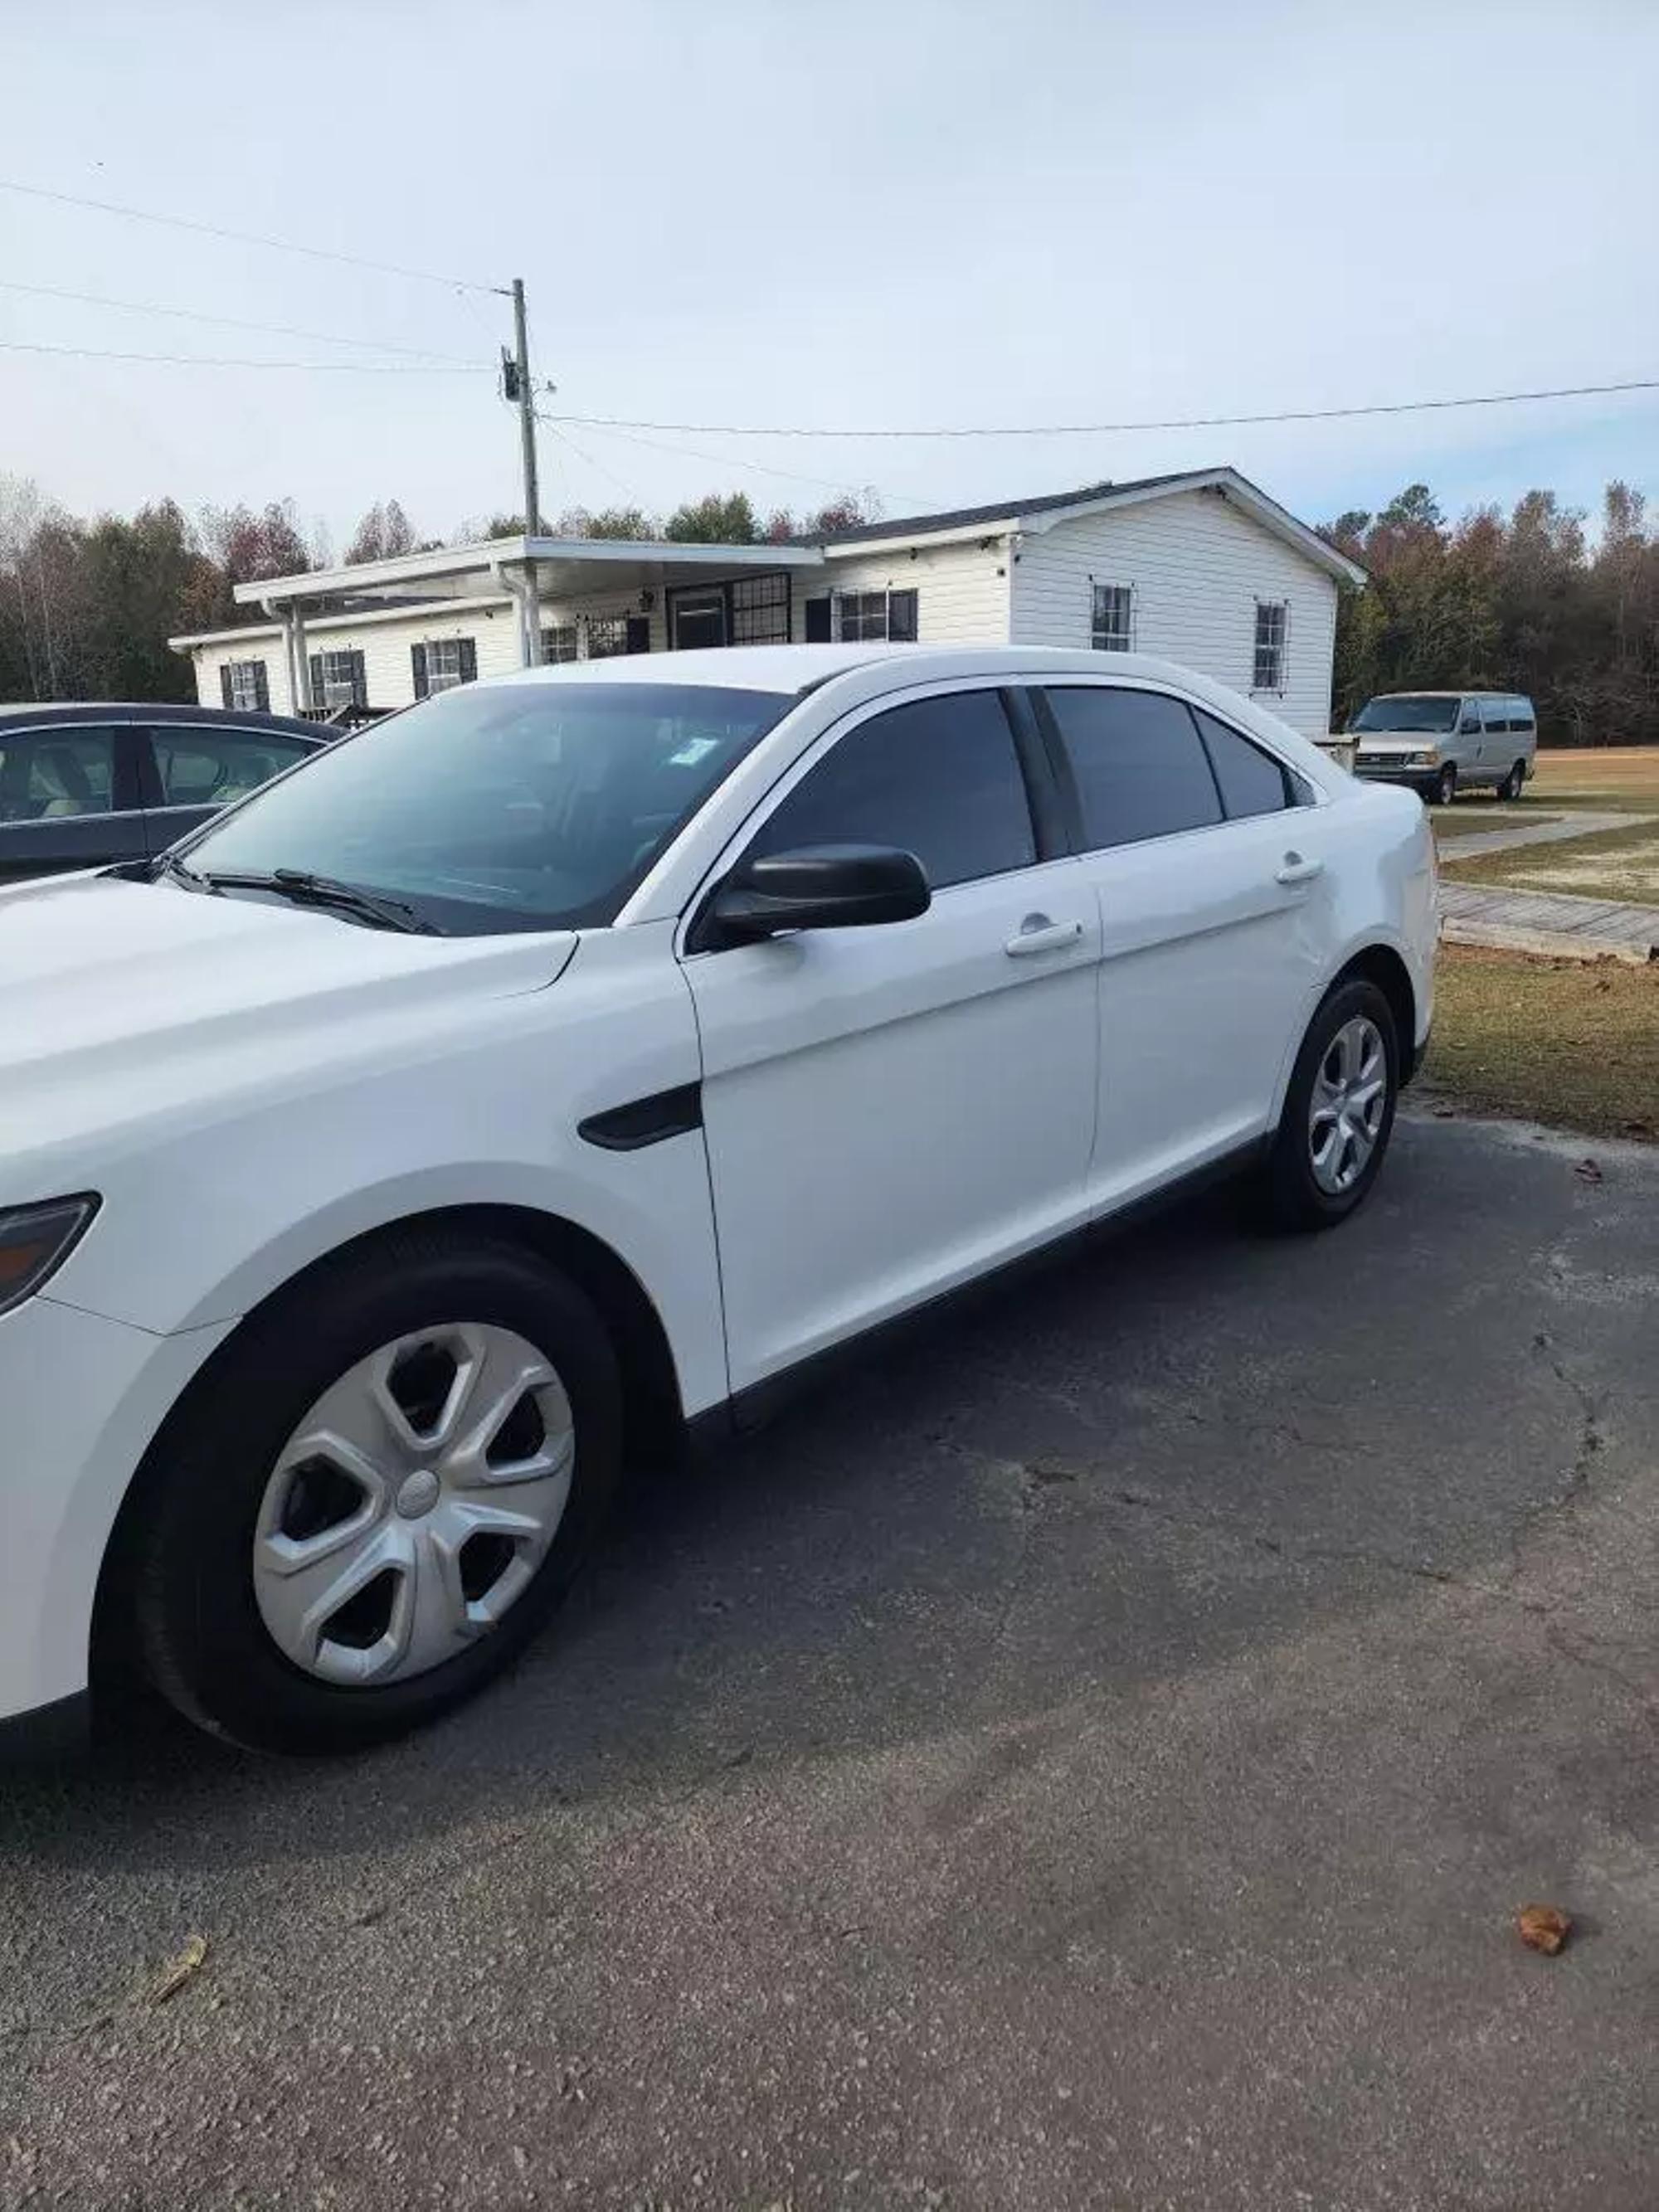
x: 814, y: 887
x: 1469, y: 727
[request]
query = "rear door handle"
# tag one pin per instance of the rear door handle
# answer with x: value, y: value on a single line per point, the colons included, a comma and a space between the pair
x: 1296, y: 870
x: 1037, y: 933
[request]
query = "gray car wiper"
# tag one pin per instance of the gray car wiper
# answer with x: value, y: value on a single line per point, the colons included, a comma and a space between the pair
x: 307, y: 889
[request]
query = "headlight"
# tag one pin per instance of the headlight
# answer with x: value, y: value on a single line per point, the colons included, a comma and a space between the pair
x: 36, y: 1240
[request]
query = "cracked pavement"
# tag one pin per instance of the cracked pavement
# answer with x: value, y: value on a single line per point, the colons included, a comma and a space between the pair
x: 1091, y: 1756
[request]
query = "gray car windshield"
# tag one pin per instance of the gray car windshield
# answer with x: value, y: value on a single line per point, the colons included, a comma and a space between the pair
x: 508, y: 807
x: 1406, y: 713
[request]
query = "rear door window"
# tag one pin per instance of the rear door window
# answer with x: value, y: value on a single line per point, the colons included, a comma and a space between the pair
x: 1252, y: 781
x: 214, y: 767
x: 1138, y: 766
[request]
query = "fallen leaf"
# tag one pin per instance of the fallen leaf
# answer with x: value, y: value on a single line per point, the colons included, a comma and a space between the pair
x: 1543, y: 1927
x: 1588, y: 1172
x: 185, y: 1968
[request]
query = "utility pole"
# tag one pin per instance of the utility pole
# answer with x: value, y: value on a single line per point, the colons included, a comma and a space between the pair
x: 533, y: 507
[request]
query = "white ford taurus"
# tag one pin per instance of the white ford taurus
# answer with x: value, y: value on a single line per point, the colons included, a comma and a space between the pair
x: 576, y: 1055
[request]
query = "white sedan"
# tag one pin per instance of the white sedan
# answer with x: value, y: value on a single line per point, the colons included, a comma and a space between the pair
x: 580, y: 1054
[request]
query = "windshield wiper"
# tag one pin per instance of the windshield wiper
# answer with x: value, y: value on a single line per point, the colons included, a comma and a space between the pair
x: 307, y: 889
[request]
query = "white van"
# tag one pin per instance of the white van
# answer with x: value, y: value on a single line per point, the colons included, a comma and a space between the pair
x: 1442, y: 741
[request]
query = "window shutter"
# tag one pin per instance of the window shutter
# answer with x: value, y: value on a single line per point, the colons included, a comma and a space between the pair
x: 417, y: 661
x: 261, y: 687
x: 902, y: 618
x: 469, y: 659
x: 359, y: 681
x: 316, y: 700
x: 817, y: 610
x: 224, y: 682
x: 639, y: 633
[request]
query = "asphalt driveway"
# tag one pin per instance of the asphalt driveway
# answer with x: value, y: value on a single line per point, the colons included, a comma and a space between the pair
x: 1091, y: 1757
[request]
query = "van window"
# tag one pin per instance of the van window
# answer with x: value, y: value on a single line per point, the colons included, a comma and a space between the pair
x: 1495, y: 713
x: 1520, y: 716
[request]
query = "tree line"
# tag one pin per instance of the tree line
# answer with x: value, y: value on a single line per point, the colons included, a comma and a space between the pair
x: 1525, y: 601
x: 87, y: 606
x: 1522, y: 601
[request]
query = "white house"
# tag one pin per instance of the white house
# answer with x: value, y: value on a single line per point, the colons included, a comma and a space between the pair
x: 1201, y: 568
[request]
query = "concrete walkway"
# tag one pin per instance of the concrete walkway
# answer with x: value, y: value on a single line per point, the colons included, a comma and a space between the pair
x: 1553, y: 922
x: 1584, y: 825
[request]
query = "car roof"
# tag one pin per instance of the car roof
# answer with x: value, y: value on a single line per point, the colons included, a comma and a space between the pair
x: 1468, y: 691
x: 36, y: 711
x: 800, y: 668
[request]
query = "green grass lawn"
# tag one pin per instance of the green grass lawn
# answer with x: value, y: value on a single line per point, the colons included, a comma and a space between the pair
x: 1611, y: 864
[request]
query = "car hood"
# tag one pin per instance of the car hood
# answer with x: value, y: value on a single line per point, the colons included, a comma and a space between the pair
x: 121, y: 1000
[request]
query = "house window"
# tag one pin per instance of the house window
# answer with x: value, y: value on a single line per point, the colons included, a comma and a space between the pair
x: 1273, y: 622
x: 861, y: 616
x: 559, y: 643
x: 441, y: 663
x: 1113, y: 626
x: 245, y: 687
x: 337, y: 680
x: 610, y: 635
x: 760, y: 611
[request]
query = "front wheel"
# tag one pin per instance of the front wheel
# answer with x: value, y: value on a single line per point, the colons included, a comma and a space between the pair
x: 1338, y: 1111
x: 1443, y: 790
x: 377, y: 1495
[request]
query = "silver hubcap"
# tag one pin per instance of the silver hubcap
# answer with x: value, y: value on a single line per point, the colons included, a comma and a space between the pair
x: 409, y: 1512
x: 1350, y: 1097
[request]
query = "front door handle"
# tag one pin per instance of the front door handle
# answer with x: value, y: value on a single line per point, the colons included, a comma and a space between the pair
x: 1037, y: 933
x: 1296, y: 870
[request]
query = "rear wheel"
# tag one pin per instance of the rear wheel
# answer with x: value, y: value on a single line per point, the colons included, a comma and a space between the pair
x: 1515, y: 782
x: 380, y: 1494
x: 1338, y: 1111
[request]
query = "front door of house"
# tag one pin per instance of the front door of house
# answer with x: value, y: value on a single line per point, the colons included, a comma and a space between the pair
x: 697, y: 618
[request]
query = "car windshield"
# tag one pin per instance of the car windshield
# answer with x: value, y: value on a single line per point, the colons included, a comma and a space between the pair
x: 1405, y: 711
x: 509, y: 807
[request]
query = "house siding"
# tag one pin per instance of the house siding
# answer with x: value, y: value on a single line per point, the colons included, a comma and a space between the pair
x: 1198, y: 566
x: 388, y: 667
x: 962, y: 591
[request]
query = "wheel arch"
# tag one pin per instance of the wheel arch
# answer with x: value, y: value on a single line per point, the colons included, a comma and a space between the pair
x: 653, y: 1415
x: 1382, y: 965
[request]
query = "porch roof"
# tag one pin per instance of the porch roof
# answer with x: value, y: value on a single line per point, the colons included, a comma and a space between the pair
x: 564, y: 567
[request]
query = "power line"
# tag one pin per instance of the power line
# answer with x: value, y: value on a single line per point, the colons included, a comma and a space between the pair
x: 218, y: 361
x: 622, y: 423
x: 715, y: 460
x: 231, y: 322
x: 246, y: 237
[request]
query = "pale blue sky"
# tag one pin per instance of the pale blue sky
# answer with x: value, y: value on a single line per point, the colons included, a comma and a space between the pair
x: 769, y: 212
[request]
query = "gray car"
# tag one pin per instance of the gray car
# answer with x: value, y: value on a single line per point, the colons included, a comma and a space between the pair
x: 83, y: 786
x: 1444, y: 742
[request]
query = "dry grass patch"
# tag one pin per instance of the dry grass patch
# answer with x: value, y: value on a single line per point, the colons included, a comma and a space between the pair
x: 1570, y: 1042
x: 1611, y: 864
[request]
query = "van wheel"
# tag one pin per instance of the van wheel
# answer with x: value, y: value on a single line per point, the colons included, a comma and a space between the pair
x: 1515, y: 782
x: 1443, y: 789
x: 1338, y: 1111
x: 379, y: 1496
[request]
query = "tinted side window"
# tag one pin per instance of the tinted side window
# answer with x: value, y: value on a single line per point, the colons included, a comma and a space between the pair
x: 940, y: 778
x: 48, y: 774
x: 204, y: 768
x: 1252, y: 781
x: 1495, y: 713
x: 1521, y: 715
x: 1140, y: 768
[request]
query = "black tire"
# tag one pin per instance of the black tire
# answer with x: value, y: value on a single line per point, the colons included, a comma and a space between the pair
x: 200, y: 1634
x: 1294, y: 1199
x: 1514, y: 783
x: 1443, y: 789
